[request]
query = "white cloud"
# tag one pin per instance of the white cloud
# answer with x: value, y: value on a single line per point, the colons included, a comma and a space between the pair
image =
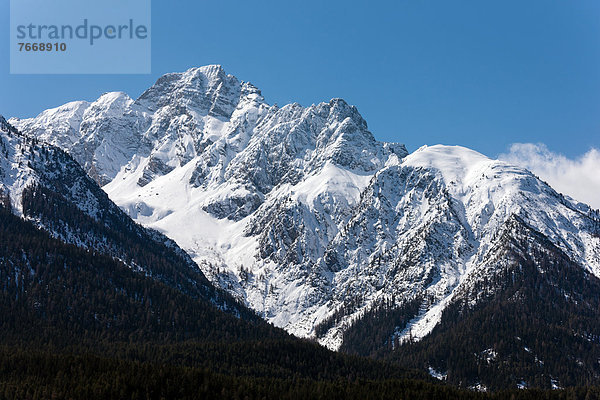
x: 578, y: 178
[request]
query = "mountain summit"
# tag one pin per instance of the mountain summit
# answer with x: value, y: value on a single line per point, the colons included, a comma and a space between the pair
x: 302, y: 215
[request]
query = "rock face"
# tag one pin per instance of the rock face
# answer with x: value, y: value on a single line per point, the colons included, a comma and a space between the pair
x: 299, y: 212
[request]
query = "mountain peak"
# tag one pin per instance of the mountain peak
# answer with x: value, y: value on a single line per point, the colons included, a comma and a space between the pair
x: 454, y: 161
x: 205, y: 89
x: 115, y: 102
x: 340, y: 108
x: 211, y: 71
x: 111, y: 97
x: 210, y: 75
x: 457, y: 165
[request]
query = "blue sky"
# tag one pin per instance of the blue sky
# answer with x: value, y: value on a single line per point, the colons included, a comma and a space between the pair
x: 483, y: 74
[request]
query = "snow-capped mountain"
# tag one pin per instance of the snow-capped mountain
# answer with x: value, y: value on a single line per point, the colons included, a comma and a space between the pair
x: 427, y: 226
x: 202, y: 157
x: 299, y: 212
x: 46, y: 186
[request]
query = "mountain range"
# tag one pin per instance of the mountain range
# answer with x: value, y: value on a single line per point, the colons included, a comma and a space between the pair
x: 93, y: 305
x: 442, y: 259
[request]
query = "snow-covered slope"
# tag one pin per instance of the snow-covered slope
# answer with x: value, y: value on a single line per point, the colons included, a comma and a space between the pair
x: 298, y: 211
x: 43, y: 184
x: 426, y: 227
